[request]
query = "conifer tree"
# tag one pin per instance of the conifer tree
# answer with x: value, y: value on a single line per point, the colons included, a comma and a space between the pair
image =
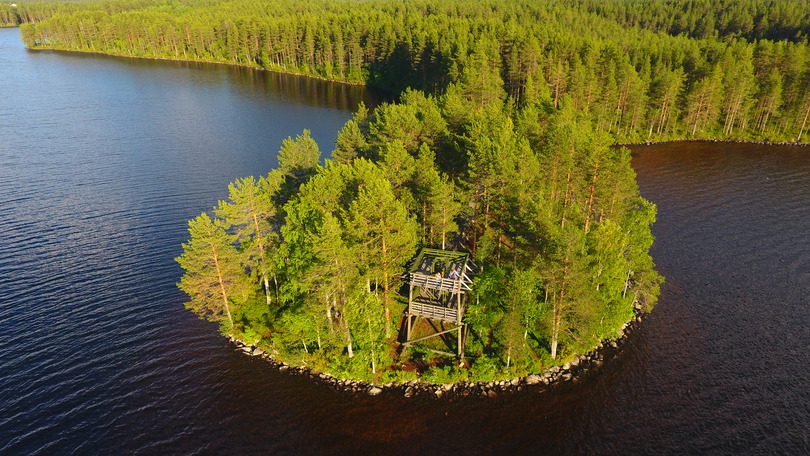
x: 298, y: 160
x: 252, y: 213
x: 349, y: 144
x: 214, y: 279
x: 384, y: 231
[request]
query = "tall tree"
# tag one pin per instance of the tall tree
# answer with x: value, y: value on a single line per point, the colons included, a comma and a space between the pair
x: 252, y: 214
x: 738, y: 70
x: 298, y: 160
x: 384, y: 231
x: 214, y: 278
x: 703, y: 102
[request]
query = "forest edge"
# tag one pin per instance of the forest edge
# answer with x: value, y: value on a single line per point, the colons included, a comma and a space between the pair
x: 578, y: 369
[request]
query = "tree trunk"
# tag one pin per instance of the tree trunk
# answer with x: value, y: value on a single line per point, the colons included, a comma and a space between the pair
x: 697, y: 114
x: 558, y: 310
x: 591, y: 197
x: 262, y: 259
x: 386, y: 297
x: 222, y: 286
x: 565, y: 201
x: 804, y: 124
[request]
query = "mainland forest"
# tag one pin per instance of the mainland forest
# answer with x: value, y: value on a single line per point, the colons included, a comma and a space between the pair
x: 501, y: 143
x: 639, y: 69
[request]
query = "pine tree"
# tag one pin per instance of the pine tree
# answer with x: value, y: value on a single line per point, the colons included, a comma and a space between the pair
x: 384, y: 231
x: 252, y: 213
x: 349, y: 144
x: 214, y: 278
x: 298, y: 158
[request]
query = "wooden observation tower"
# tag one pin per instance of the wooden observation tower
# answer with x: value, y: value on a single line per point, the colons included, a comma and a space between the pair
x: 439, y: 281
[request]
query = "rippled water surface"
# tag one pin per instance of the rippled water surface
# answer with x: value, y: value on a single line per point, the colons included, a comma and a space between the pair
x: 102, y: 162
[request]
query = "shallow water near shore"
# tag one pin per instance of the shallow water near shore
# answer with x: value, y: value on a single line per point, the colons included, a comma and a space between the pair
x: 102, y: 162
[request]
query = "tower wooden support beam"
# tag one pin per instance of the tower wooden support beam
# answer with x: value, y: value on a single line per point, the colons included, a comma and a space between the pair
x: 438, y: 284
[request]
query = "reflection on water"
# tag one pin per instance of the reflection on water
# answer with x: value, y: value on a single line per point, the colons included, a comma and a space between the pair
x: 307, y: 91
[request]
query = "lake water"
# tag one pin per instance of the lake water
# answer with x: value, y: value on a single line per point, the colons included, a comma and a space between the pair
x: 102, y: 162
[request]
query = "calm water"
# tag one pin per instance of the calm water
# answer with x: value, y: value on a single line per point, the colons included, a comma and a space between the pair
x: 102, y: 162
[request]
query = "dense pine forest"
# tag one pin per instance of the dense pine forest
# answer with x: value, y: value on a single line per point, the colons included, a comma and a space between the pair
x: 500, y: 144
x: 641, y: 70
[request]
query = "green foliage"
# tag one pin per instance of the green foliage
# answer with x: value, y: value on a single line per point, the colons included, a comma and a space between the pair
x: 398, y: 376
x: 8, y: 15
x: 486, y: 369
x: 445, y: 374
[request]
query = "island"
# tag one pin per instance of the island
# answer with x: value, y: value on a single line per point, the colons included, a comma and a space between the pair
x: 440, y: 241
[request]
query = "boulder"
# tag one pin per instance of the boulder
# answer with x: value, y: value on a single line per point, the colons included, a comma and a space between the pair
x: 374, y: 390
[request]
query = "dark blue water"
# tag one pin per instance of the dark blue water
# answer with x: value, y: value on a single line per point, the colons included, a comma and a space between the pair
x: 103, y: 161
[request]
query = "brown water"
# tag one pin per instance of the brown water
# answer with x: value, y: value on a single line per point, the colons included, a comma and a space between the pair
x: 102, y: 162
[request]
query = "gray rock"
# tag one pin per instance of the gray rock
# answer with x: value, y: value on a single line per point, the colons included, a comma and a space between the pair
x: 374, y: 390
x: 533, y: 379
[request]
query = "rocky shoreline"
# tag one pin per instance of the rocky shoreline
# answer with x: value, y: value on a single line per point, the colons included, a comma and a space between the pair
x: 728, y: 141
x: 571, y: 372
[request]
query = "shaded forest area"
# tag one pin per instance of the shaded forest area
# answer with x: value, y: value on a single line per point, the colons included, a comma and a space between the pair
x: 641, y: 70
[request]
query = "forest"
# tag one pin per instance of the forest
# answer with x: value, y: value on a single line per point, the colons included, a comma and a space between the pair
x: 501, y: 143
x: 641, y: 70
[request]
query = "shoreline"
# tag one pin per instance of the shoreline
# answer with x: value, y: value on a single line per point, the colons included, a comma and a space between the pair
x: 758, y: 142
x: 213, y: 62
x: 572, y: 372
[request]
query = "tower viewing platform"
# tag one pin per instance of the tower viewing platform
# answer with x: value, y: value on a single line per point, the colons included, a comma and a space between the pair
x: 438, y: 284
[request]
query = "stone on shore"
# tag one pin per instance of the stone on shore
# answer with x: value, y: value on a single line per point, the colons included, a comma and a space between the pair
x: 374, y: 390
